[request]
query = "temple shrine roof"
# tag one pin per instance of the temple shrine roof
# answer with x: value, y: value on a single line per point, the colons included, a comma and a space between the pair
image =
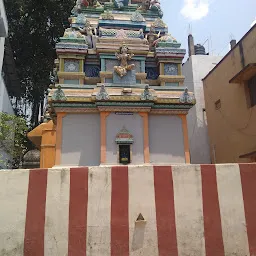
x: 118, y: 55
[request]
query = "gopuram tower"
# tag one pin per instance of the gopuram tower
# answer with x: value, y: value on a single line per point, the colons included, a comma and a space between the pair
x: 117, y: 94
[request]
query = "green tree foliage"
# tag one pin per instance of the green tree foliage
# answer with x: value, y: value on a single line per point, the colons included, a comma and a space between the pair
x: 13, y: 140
x: 34, y: 28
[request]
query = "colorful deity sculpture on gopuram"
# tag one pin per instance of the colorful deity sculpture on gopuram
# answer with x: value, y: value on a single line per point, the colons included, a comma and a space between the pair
x: 117, y: 94
x: 124, y: 57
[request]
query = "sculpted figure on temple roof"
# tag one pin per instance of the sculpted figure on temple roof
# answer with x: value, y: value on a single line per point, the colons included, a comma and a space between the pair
x: 152, y: 37
x: 87, y: 31
x: 155, y: 5
x: 124, y: 57
x: 121, y: 3
x: 97, y: 4
x: 80, y: 3
x: 144, y: 5
x: 85, y: 3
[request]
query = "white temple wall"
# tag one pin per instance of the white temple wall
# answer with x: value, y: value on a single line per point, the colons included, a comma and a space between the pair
x: 81, y: 140
x: 134, y: 124
x: 166, y: 143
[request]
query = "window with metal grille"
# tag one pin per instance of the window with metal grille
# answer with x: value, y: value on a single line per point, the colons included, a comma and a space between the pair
x: 252, y: 90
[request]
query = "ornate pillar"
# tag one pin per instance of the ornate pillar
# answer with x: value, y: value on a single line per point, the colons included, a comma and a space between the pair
x: 103, y: 136
x: 146, y: 137
x: 185, y: 138
x: 59, y: 137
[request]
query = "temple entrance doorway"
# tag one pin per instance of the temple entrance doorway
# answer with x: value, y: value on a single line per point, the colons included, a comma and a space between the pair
x: 124, y: 154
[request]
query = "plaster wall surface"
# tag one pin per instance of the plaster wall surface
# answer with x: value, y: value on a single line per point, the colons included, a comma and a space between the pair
x: 81, y: 140
x: 232, y: 126
x: 166, y: 144
x: 5, y: 103
x: 2, y: 42
x: 134, y: 124
x: 187, y: 210
x: 3, y: 23
x: 194, y: 70
x: 5, y: 106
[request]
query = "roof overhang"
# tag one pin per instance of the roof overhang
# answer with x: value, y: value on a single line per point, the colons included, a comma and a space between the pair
x: 245, y: 74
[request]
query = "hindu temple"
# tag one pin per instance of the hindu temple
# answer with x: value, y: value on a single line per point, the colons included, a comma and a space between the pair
x: 117, y: 93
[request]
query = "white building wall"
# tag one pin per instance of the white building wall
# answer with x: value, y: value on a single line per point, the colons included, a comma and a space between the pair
x: 166, y: 144
x: 3, y: 20
x: 5, y: 104
x: 194, y: 70
x: 2, y: 41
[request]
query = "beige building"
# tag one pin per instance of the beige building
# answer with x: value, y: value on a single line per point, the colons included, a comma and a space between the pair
x: 230, y: 100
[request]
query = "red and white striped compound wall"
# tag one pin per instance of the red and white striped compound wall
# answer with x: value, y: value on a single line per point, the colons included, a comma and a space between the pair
x: 189, y: 211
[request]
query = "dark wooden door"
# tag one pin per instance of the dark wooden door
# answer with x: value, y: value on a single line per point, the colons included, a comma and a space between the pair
x: 124, y: 154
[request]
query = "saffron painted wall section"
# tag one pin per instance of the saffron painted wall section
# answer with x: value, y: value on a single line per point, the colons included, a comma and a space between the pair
x: 166, y: 139
x: 81, y: 140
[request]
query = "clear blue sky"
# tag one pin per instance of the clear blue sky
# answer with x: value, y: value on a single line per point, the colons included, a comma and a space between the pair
x: 218, y: 20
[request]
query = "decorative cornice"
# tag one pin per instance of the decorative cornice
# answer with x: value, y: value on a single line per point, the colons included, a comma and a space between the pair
x: 161, y: 50
x: 80, y: 99
x: 124, y: 109
x: 107, y: 15
x: 77, y: 110
x: 125, y: 98
x: 159, y: 23
x: 166, y: 101
x: 122, y: 100
x: 76, y: 46
x: 71, y: 75
x: 137, y: 17
x: 168, y: 78
x: 168, y: 112
x: 117, y: 107
x: 125, y: 104
x: 121, y: 33
x: 173, y: 106
x: 73, y: 105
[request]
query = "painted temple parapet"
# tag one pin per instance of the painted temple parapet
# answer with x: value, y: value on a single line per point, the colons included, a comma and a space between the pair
x: 116, y: 57
x: 119, y: 98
